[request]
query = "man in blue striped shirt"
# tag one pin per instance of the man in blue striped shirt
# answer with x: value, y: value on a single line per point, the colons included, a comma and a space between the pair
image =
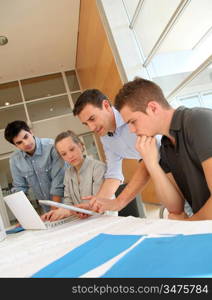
x: 35, y: 164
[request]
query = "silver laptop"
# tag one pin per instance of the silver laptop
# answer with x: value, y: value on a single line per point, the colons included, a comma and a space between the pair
x: 27, y: 216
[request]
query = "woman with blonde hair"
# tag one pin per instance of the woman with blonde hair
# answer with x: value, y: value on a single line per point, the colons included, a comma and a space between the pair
x: 83, y: 176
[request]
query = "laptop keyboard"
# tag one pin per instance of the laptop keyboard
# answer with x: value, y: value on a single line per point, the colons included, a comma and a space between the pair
x: 53, y: 224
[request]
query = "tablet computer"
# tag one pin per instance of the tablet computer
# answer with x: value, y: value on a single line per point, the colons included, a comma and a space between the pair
x: 70, y: 207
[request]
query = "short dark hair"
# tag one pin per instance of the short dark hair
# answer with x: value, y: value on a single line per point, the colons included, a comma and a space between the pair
x: 138, y: 93
x: 12, y: 130
x: 90, y: 96
x: 66, y: 134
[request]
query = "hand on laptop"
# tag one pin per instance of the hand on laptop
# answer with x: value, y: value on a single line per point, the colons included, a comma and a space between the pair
x: 61, y: 213
x: 56, y: 214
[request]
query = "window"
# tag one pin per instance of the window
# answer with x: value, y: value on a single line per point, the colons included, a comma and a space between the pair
x: 207, y: 99
x: 191, y: 101
x: 166, y: 41
x: 175, y: 38
x: 196, y: 92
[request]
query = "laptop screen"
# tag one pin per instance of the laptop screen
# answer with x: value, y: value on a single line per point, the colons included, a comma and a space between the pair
x: 24, y: 211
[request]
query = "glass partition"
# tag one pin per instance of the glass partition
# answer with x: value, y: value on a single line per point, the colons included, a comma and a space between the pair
x: 9, y: 93
x: 72, y: 80
x: 11, y: 114
x: 90, y: 145
x: 43, y: 86
x: 75, y: 96
x: 48, y: 108
x: 45, y: 97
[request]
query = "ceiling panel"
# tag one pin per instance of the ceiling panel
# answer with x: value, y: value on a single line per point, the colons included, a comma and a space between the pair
x: 42, y: 37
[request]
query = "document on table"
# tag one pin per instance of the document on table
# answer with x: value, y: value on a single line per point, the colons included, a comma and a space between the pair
x: 19, y: 259
x: 181, y: 256
x: 87, y: 256
x: 132, y: 256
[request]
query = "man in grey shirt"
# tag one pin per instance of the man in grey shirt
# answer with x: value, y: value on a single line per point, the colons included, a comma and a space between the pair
x: 185, y: 167
x: 35, y: 164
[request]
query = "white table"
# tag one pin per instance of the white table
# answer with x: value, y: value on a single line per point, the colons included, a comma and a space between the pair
x: 24, y: 253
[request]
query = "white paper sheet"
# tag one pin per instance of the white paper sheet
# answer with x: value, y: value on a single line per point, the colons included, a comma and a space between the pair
x: 22, y: 254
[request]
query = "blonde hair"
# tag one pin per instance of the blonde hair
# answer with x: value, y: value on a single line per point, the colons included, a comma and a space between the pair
x: 70, y: 134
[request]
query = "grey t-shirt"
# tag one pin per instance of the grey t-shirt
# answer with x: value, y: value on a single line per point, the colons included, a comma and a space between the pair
x: 192, y: 130
x: 91, y: 177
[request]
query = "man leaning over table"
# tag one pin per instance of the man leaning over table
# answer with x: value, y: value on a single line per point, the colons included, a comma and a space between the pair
x: 36, y: 164
x: 184, y: 171
x: 94, y: 110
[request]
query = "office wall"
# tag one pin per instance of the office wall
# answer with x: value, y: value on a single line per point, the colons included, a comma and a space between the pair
x: 96, y: 68
x: 95, y: 63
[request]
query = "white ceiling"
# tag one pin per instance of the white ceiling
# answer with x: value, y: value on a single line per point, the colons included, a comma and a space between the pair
x: 42, y: 37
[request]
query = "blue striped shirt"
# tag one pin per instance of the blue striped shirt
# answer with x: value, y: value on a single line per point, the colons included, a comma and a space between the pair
x: 119, y: 146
